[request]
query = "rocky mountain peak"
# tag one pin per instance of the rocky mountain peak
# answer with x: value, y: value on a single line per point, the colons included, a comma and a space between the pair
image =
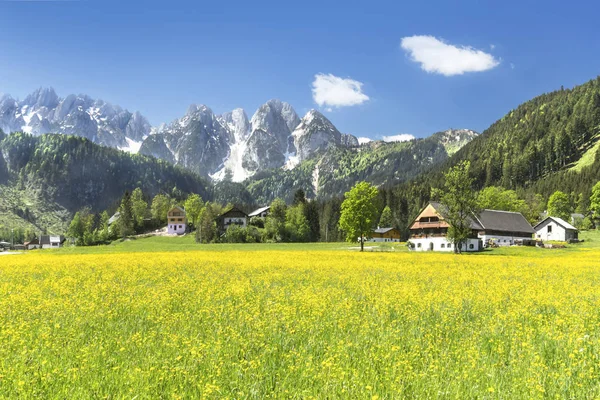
x: 42, y: 97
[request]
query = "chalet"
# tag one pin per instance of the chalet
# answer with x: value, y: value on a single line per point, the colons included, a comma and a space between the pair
x: 51, y: 242
x: 32, y: 244
x: 385, y: 235
x: 261, y: 212
x: 235, y: 216
x: 429, y: 231
x: 176, y: 221
x: 502, y: 228
x: 554, y: 228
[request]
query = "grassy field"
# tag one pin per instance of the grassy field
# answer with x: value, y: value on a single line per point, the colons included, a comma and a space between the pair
x: 157, y: 318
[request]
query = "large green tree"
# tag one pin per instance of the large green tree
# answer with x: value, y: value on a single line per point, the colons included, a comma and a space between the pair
x: 126, y: 222
x: 206, y: 231
x: 359, y: 212
x: 160, y: 207
x: 193, y: 205
x: 498, y: 198
x: 559, y: 205
x: 139, y: 208
x: 296, y: 224
x: 275, y: 221
x: 460, y: 203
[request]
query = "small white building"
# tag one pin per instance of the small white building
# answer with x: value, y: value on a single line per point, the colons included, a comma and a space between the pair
x: 261, y: 212
x: 176, y: 221
x: 555, y: 229
x: 51, y: 242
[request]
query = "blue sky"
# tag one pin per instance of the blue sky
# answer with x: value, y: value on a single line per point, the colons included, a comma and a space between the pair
x: 160, y: 57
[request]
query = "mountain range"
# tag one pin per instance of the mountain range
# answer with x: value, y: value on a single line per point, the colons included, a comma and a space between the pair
x: 225, y: 146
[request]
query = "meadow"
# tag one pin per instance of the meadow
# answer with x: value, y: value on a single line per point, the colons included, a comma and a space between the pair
x: 155, y: 318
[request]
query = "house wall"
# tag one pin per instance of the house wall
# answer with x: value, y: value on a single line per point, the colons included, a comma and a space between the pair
x: 234, y: 220
x: 502, y: 240
x: 442, y: 244
x: 53, y: 245
x: 383, y: 239
x: 176, y: 228
x: 558, y: 232
x: 33, y: 246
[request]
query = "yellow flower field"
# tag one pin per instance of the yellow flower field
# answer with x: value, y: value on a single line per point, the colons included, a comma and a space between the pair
x: 300, y: 324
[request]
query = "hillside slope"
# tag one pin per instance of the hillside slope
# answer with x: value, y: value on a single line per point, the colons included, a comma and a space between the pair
x: 49, y: 177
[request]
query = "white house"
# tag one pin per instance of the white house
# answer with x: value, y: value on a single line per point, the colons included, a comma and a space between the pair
x: 557, y: 229
x: 261, y: 212
x: 429, y: 231
x: 176, y: 221
x: 51, y: 242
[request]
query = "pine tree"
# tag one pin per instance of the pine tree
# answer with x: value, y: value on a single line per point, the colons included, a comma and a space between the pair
x: 386, y: 220
x: 126, y: 216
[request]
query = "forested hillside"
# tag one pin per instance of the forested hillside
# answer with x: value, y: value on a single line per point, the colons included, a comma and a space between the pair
x: 547, y: 144
x: 66, y: 173
x: 334, y: 171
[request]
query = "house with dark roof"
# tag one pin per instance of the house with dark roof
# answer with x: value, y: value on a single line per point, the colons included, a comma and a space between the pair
x: 503, y: 228
x: 385, y: 235
x: 555, y: 229
x: 235, y: 216
x: 51, y: 242
x: 32, y: 244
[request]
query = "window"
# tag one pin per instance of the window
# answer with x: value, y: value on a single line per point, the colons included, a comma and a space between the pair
x: 180, y: 226
x: 443, y: 246
x: 471, y: 246
x: 419, y: 245
x: 179, y: 219
x: 549, y: 228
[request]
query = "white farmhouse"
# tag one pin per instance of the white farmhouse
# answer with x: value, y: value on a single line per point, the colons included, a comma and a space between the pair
x: 429, y: 231
x: 504, y: 228
x: 557, y: 229
x: 51, y: 242
x: 176, y: 221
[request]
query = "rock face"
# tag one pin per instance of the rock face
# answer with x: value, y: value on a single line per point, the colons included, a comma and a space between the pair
x: 101, y: 122
x: 314, y: 133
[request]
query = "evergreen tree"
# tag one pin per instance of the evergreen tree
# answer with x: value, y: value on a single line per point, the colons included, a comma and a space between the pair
x: 296, y: 224
x: 104, y: 231
x: 386, y: 220
x: 359, y: 212
x: 299, y: 197
x: 126, y: 222
x: 595, y: 201
x: 207, y: 227
x: 311, y: 213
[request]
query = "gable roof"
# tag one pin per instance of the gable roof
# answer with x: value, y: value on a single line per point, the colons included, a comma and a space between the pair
x: 176, y: 208
x: 259, y: 211
x: 441, y: 210
x: 559, y: 221
x: 508, y: 221
x: 235, y: 213
x: 384, y: 230
x: 47, y: 239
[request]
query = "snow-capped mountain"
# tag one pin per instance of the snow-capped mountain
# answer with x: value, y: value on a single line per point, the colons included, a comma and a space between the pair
x: 231, y: 145
x: 101, y: 122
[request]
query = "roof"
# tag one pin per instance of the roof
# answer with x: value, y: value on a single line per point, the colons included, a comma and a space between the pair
x: 441, y: 210
x: 177, y: 208
x: 559, y: 221
x: 33, y: 241
x: 383, y: 230
x: 114, y: 218
x: 45, y: 239
x: 235, y: 213
x: 259, y: 211
x: 508, y: 221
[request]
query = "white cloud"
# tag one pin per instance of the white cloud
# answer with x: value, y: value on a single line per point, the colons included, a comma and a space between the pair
x: 363, y: 140
x: 436, y: 56
x: 332, y: 91
x: 492, y: 46
x: 403, y: 137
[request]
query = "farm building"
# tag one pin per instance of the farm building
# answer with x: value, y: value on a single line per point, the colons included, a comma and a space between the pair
x: 176, y: 221
x: 502, y: 228
x: 385, y: 235
x: 32, y: 244
x: 261, y: 212
x: 429, y: 231
x: 51, y: 242
x: 554, y: 228
x: 235, y: 216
